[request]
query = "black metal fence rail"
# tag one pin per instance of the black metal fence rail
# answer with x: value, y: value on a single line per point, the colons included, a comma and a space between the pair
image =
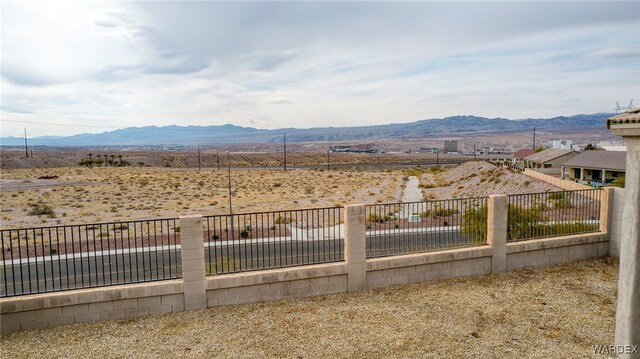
x: 400, y: 228
x: 550, y: 214
x: 50, y: 259
x: 255, y: 241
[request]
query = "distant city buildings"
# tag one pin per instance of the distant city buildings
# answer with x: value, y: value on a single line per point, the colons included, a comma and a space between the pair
x: 361, y: 148
x: 565, y: 145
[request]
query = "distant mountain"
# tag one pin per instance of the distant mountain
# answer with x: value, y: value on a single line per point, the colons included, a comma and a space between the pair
x: 190, y: 135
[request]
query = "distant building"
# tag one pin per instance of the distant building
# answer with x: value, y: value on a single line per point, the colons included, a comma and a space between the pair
x: 450, y: 146
x: 564, y: 145
x: 428, y: 149
x: 368, y: 148
x: 600, y: 167
x: 549, y: 158
x: 517, y: 161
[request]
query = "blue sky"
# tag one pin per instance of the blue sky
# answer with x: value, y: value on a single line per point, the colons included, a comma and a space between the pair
x: 97, y: 66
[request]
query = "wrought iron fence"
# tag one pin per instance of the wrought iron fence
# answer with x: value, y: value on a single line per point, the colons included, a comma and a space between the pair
x: 50, y: 259
x: 255, y: 241
x: 550, y: 214
x: 400, y: 228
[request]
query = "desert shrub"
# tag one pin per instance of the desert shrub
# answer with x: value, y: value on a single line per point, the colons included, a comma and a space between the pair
x: 474, y: 224
x: 222, y: 264
x: 557, y: 195
x: 560, y: 200
x: 522, y: 221
x: 619, y: 182
x: 40, y: 208
x: 444, y: 212
x: 245, y: 232
x: 282, y: 220
x: 374, y: 217
x: 526, y: 183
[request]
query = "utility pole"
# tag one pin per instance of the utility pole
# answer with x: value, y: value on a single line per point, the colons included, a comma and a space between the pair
x: 285, y: 151
x: 230, y: 207
x: 218, y: 159
x: 437, y: 157
x: 534, y: 138
x: 474, y: 152
x: 199, y: 162
x: 229, y: 175
x: 26, y: 148
x: 328, y: 161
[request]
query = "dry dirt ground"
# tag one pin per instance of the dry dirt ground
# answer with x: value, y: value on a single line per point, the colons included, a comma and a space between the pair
x: 479, y: 179
x: 90, y: 195
x: 555, y: 312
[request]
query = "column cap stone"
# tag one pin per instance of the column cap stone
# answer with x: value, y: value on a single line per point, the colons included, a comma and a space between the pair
x: 626, y: 124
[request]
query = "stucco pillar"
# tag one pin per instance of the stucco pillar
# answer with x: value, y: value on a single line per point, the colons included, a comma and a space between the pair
x: 355, y: 252
x: 497, y: 216
x: 581, y: 174
x: 627, y: 125
x: 193, y: 268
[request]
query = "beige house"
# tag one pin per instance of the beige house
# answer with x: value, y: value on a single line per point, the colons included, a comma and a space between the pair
x: 600, y: 167
x: 549, y: 158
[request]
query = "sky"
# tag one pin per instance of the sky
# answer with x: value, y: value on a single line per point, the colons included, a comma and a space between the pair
x: 88, y: 67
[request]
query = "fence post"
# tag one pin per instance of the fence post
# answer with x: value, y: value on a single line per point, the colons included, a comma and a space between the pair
x: 355, y: 252
x: 497, y: 231
x: 606, y: 201
x: 193, y: 273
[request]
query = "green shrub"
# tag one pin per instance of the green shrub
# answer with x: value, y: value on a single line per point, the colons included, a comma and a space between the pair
x: 40, y: 209
x: 619, y: 182
x: 474, y: 224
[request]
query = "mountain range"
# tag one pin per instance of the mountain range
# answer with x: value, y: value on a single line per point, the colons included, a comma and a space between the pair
x: 191, y: 135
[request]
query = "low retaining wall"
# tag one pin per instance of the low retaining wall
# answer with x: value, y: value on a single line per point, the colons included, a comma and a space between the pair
x: 547, y: 252
x: 276, y: 284
x: 558, y: 182
x: 420, y: 267
x: 85, y: 305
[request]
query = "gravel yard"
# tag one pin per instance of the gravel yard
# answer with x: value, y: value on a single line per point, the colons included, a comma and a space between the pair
x: 555, y: 312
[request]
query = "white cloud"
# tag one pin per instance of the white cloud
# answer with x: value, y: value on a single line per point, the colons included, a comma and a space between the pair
x: 310, y: 64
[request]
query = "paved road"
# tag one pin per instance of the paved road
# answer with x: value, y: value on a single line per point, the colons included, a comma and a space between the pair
x: 118, y: 267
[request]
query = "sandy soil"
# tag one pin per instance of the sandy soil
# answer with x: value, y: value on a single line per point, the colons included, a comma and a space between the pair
x: 556, y: 312
x: 479, y: 179
x: 83, y: 195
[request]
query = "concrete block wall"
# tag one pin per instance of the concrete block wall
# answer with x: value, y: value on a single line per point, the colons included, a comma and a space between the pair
x: 85, y: 305
x: 276, y: 284
x: 551, y: 251
x: 558, y: 182
x: 420, y: 267
x: 615, y: 221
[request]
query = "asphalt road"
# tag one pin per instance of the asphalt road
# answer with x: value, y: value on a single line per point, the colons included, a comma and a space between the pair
x: 149, y: 264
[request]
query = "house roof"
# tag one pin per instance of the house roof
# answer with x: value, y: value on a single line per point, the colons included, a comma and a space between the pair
x: 607, y: 160
x: 524, y: 153
x: 547, y: 155
x: 629, y: 117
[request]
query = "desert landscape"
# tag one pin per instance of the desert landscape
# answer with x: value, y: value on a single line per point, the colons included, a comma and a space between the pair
x: 74, y: 195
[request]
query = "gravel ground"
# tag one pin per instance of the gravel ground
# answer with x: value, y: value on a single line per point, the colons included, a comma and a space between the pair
x: 555, y: 312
